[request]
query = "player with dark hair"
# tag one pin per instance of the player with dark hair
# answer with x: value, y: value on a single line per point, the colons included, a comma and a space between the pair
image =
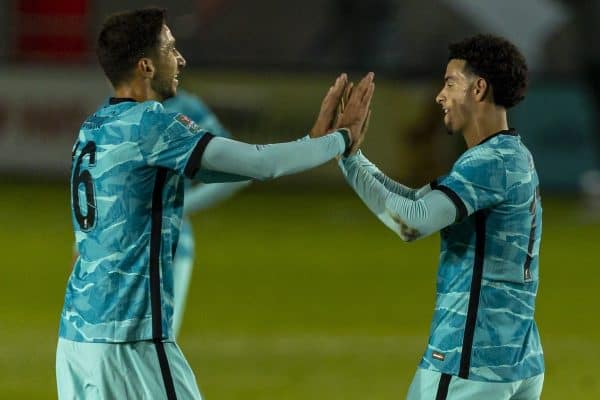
x: 484, y: 342
x: 129, y: 162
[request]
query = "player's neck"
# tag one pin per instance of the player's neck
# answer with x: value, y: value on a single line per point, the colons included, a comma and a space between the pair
x: 485, y: 124
x: 138, y: 90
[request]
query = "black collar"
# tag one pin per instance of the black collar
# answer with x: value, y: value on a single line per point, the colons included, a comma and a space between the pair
x: 117, y: 100
x: 509, y: 131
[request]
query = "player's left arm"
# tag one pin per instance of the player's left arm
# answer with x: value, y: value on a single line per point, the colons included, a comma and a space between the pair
x: 273, y: 160
x: 202, y: 196
x: 269, y: 161
x: 175, y: 142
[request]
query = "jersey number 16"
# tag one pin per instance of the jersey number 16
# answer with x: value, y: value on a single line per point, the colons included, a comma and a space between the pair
x: 83, y: 177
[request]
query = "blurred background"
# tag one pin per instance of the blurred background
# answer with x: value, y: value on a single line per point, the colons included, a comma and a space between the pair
x: 318, y: 300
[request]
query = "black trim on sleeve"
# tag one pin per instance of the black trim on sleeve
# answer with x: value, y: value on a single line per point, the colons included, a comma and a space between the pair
x: 345, y: 132
x: 461, y: 209
x: 467, y: 347
x: 193, y: 164
x: 442, y: 392
x: 155, y: 284
x: 433, y: 184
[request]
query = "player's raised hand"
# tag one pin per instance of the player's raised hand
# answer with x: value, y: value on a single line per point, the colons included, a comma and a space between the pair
x: 356, y: 111
x: 340, y: 110
x: 343, y: 101
x: 326, y: 119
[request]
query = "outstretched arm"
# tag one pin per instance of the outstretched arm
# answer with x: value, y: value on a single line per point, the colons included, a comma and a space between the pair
x: 390, y: 184
x: 228, y: 160
x: 412, y: 216
x: 226, y: 157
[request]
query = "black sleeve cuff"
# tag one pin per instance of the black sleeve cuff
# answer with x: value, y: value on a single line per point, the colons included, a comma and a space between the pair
x: 193, y: 164
x: 461, y: 209
x: 346, y: 135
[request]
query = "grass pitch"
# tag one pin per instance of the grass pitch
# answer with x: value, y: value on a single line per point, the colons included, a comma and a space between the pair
x: 301, y: 295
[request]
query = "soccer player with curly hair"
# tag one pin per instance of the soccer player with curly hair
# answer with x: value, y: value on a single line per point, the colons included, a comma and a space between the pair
x: 484, y: 342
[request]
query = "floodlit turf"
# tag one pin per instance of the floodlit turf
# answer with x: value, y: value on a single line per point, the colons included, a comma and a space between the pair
x: 295, y: 296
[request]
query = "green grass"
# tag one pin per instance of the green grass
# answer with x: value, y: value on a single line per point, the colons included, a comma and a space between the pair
x: 295, y: 296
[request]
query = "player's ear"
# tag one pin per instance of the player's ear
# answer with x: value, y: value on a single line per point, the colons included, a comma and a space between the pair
x: 480, y: 88
x: 145, y: 67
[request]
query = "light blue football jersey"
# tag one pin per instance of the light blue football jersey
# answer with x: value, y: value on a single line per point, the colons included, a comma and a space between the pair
x: 194, y: 108
x: 127, y: 196
x: 483, y: 326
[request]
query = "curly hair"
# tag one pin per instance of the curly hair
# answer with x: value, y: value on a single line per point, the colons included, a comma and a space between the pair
x: 496, y: 60
x: 125, y: 38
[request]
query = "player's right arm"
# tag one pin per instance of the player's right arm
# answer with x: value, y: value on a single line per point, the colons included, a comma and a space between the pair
x: 390, y: 184
x: 477, y: 181
x: 420, y: 215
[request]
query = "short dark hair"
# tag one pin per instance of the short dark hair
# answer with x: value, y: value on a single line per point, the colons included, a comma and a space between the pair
x: 499, y: 62
x: 126, y: 37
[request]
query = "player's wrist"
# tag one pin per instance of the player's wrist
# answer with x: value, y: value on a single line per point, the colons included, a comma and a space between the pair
x: 345, y: 132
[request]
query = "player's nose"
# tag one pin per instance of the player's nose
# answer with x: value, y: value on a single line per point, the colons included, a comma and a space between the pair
x: 181, y: 63
x: 440, y: 98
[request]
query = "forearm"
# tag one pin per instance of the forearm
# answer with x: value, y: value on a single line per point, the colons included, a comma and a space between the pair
x: 273, y: 160
x: 201, y: 197
x: 409, y: 218
x: 390, y: 184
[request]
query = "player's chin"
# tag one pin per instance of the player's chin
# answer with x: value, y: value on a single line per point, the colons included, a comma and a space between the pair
x: 167, y: 94
x: 449, y: 127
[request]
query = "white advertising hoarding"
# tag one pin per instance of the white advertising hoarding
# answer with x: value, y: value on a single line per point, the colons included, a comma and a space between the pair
x: 41, y: 110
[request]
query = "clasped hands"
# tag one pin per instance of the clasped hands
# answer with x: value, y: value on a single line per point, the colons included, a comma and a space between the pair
x: 346, y: 106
